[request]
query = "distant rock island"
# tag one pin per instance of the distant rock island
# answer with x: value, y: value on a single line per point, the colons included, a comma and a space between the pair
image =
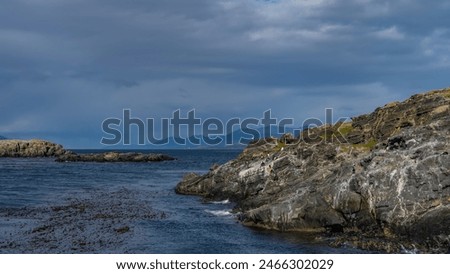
x: 40, y: 148
x: 30, y: 148
x: 113, y: 157
x: 380, y: 182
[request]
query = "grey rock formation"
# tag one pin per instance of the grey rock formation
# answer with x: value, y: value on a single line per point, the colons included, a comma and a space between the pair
x: 113, y: 157
x: 29, y: 148
x: 39, y: 148
x: 381, y: 182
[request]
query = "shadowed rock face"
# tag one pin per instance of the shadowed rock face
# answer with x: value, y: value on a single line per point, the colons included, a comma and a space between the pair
x: 381, y: 182
x: 30, y: 148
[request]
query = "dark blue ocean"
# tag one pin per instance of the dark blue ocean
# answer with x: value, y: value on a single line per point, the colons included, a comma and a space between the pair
x: 50, y: 207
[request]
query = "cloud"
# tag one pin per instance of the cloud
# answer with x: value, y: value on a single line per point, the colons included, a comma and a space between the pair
x: 67, y: 65
x: 391, y: 33
x: 435, y: 46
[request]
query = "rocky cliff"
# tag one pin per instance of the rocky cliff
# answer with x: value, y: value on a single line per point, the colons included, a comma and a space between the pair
x: 381, y: 181
x: 30, y: 148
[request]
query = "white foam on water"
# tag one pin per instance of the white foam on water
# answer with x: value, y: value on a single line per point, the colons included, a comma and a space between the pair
x: 410, y: 251
x: 219, y: 213
x: 224, y: 202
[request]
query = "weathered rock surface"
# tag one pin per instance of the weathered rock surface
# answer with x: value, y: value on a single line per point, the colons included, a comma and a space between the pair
x: 114, y: 157
x: 30, y: 148
x: 381, y: 182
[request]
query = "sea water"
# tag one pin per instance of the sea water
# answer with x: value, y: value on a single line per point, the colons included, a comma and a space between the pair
x: 39, y: 197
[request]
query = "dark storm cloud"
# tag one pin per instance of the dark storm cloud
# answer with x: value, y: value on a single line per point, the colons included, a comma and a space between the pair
x: 67, y: 65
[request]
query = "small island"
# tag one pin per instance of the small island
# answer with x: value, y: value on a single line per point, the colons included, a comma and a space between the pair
x: 30, y: 149
x: 40, y: 148
x: 113, y: 157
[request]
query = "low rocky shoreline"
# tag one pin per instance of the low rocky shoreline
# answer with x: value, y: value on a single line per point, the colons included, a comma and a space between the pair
x: 380, y: 182
x: 40, y: 148
x: 114, y: 157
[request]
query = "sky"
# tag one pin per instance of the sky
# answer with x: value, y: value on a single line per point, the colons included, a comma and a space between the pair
x: 67, y: 65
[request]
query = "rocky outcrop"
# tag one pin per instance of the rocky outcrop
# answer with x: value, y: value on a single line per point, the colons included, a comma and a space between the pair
x: 113, y: 157
x: 39, y: 148
x: 380, y: 182
x: 30, y: 148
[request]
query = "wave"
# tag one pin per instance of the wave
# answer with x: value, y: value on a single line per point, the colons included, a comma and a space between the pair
x: 224, y: 202
x: 220, y: 213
